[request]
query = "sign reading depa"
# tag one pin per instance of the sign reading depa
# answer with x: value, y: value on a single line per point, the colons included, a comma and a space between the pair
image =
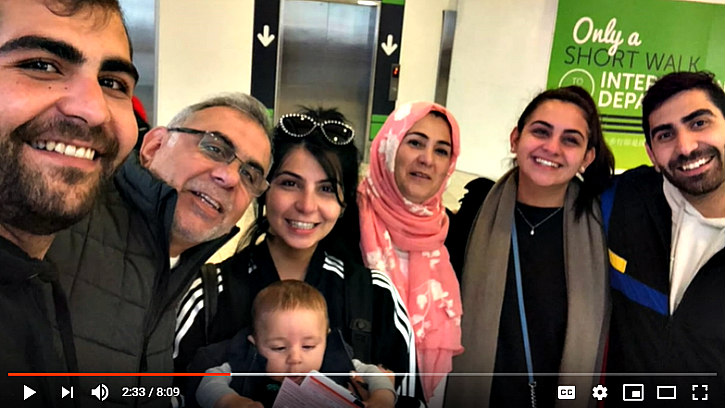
x: 618, y: 48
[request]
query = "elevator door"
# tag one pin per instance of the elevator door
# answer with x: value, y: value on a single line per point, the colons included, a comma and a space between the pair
x: 326, y: 58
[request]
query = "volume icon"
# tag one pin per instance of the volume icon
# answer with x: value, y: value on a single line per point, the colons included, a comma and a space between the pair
x: 100, y: 392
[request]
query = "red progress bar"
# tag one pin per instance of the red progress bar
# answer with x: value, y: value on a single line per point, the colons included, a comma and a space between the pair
x: 119, y: 374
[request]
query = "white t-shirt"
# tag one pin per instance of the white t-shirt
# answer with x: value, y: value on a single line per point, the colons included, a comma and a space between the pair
x: 173, y: 261
x: 695, y: 239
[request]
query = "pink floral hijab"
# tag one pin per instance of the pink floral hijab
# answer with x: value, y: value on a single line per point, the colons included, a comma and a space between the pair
x: 388, y: 221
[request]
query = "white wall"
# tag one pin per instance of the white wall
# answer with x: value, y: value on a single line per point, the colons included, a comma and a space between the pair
x: 422, y: 24
x: 500, y: 60
x: 203, y: 47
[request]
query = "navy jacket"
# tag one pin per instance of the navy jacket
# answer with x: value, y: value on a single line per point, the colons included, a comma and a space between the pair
x: 644, y: 337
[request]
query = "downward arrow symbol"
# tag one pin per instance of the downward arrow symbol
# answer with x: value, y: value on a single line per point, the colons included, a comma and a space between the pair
x: 389, y: 47
x: 265, y: 37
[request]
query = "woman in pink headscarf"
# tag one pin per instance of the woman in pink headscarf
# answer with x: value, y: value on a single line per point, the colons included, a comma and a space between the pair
x: 403, y: 225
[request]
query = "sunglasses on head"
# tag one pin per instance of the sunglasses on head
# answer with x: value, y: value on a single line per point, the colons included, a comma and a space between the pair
x: 300, y: 125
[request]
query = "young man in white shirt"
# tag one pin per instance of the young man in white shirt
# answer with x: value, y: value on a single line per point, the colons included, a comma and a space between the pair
x: 666, y: 234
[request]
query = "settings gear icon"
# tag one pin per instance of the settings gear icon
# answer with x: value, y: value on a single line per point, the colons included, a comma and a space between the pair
x: 599, y: 392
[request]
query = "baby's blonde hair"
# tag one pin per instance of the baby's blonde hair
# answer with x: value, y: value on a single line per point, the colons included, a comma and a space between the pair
x: 284, y: 295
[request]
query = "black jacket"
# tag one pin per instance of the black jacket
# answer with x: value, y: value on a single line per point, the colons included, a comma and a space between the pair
x: 33, y: 318
x: 645, y: 337
x: 114, y: 268
x: 462, y: 221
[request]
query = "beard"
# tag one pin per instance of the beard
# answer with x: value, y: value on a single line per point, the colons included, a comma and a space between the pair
x: 702, y: 183
x: 42, y: 200
x: 182, y: 233
x: 188, y: 228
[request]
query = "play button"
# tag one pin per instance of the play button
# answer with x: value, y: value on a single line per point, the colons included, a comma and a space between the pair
x: 27, y: 392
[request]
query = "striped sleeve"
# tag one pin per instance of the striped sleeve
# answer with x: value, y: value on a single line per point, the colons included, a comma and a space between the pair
x: 334, y: 265
x: 404, y: 328
x: 190, y: 306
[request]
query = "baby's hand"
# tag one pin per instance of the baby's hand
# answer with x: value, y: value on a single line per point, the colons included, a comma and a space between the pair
x: 378, y: 392
x: 380, y: 399
x: 359, y: 387
x: 236, y: 401
x: 390, y: 377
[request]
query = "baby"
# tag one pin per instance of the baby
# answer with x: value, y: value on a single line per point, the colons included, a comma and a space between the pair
x: 291, y: 333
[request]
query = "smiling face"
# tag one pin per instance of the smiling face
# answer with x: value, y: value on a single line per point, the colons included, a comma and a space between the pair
x: 688, y: 143
x: 423, y: 159
x: 552, y: 147
x: 66, y: 117
x: 211, y: 197
x: 302, y: 204
x: 292, y: 341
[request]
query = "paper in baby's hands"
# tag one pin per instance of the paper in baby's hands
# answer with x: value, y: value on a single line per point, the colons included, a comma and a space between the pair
x: 316, y: 391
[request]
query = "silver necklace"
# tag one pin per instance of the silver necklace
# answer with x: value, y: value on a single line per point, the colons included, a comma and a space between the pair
x: 533, y: 227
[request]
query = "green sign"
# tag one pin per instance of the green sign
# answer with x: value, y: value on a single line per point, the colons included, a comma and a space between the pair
x: 618, y: 48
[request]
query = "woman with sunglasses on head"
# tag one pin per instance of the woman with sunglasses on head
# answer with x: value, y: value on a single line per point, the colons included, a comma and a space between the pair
x: 312, y: 182
x: 534, y: 275
x: 403, y: 227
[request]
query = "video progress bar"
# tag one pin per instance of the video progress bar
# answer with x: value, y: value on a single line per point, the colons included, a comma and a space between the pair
x: 119, y: 374
x: 608, y: 374
x: 291, y: 374
x: 487, y: 374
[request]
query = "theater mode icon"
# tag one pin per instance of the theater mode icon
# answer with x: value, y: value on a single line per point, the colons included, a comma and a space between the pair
x: 666, y: 392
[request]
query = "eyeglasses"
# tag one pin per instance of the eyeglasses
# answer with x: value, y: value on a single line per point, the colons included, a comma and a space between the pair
x: 299, y: 125
x: 217, y: 147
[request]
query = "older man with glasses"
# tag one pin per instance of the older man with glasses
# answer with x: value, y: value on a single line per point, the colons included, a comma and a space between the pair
x: 171, y: 206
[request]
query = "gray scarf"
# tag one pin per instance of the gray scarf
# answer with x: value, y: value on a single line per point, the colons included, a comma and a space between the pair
x: 484, y: 280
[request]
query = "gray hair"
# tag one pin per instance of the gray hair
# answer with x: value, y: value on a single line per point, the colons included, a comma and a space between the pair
x: 245, y: 104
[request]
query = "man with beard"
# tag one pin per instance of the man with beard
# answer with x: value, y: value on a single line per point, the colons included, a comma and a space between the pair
x: 171, y: 206
x: 66, y: 122
x: 666, y: 234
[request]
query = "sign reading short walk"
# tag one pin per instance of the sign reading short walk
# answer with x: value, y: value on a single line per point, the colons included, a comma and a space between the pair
x: 617, y: 49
